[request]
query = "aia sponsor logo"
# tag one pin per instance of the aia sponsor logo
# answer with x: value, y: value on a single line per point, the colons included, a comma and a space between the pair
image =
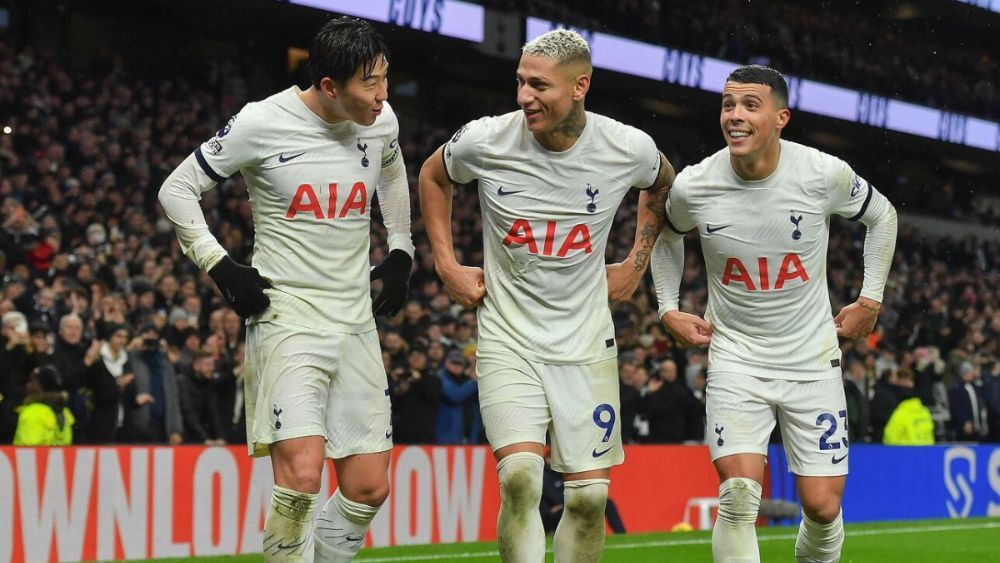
x: 791, y: 268
x: 306, y: 200
x: 521, y: 233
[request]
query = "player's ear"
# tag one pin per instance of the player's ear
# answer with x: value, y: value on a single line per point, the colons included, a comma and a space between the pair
x: 329, y: 87
x: 784, y: 115
x: 581, y: 87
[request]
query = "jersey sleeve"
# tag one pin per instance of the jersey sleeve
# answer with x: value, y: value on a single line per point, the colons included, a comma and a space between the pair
x: 679, y: 217
x: 463, y: 153
x: 390, y: 148
x: 647, y: 160
x: 848, y: 195
x: 235, y: 146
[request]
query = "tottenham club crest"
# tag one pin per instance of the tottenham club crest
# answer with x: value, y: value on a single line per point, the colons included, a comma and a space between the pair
x: 592, y: 193
x: 796, y: 234
x: 364, y: 153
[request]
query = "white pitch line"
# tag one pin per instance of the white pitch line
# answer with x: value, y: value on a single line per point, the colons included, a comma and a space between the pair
x: 699, y: 541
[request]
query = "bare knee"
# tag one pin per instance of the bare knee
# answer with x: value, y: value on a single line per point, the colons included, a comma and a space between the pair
x: 299, y: 478
x: 823, y: 510
x: 370, y: 492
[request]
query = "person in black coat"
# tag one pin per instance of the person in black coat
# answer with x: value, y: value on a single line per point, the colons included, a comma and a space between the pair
x: 667, y: 402
x: 966, y: 401
x: 415, y: 393
x: 858, y: 405
x: 204, y: 421
x: 109, y: 378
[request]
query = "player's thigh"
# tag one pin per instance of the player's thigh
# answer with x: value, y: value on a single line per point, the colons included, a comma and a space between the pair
x: 286, y: 384
x: 813, y: 418
x: 741, y: 415
x: 358, y: 415
x: 585, y: 431
x: 512, y: 403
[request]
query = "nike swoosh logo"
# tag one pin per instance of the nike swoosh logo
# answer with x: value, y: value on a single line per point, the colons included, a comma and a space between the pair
x: 710, y: 230
x: 596, y: 453
x: 500, y: 192
x: 392, y: 143
x: 283, y: 158
x: 837, y: 460
x: 388, y: 434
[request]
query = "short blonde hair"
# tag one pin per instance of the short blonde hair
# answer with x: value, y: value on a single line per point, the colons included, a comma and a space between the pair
x: 561, y: 45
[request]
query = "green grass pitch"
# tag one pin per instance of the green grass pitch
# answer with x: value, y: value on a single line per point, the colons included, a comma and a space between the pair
x: 919, y: 541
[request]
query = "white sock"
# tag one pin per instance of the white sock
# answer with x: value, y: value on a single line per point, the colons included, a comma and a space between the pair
x: 734, y: 537
x: 580, y: 535
x: 520, y: 535
x: 820, y: 543
x: 341, y: 527
x: 288, y: 528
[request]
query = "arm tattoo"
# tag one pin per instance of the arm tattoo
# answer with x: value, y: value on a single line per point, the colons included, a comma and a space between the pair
x: 651, y: 221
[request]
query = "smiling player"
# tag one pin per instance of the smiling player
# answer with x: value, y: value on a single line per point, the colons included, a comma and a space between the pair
x: 762, y: 207
x: 315, y: 385
x: 551, y: 177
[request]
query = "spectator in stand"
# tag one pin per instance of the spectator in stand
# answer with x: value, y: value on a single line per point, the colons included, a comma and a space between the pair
x: 966, y: 400
x: 109, y: 378
x: 667, y: 404
x: 156, y: 414
x: 44, y: 419
x: 858, y: 405
x: 458, y: 419
x: 203, y: 418
x: 911, y: 423
x: 415, y: 392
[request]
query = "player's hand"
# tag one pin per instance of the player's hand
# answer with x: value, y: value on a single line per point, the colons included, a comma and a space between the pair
x: 466, y: 285
x: 623, y: 280
x: 242, y: 286
x: 394, y: 272
x: 688, y: 329
x: 176, y: 439
x: 855, y: 321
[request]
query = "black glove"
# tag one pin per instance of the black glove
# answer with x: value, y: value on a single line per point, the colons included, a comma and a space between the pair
x: 242, y: 287
x: 394, y: 272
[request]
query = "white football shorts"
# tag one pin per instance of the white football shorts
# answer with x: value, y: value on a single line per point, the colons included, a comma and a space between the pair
x: 742, y: 411
x: 578, y: 405
x: 305, y: 382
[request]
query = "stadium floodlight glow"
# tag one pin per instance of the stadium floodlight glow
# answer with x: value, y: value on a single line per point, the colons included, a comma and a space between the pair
x: 7, y: 130
x: 452, y: 18
x: 646, y: 60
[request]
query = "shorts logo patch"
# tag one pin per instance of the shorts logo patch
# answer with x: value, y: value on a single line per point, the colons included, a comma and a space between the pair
x: 596, y: 453
x: 277, y: 413
x: 388, y: 433
x: 718, y: 430
x: 837, y: 460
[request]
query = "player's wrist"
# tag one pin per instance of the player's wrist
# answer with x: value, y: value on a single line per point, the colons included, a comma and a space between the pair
x: 869, y: 305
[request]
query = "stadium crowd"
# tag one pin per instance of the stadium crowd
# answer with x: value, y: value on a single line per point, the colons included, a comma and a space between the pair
x: 892, y: 54
x: 106, y: 324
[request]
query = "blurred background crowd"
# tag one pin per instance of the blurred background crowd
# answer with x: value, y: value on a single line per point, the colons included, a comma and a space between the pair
x: 106, y: 324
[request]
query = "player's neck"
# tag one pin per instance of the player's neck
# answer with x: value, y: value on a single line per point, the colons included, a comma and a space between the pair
x: 313, y: 100
x: 565, y: 135
x: 754, y: 167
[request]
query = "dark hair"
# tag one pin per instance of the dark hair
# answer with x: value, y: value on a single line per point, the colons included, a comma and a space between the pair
x: 341, y: 46
x: 49, y: 377
x: 760, y: 74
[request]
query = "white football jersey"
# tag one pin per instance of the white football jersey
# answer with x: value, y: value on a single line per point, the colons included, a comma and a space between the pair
x: 765, y: 245
x: 546, y: 219
x: 311, y: 185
